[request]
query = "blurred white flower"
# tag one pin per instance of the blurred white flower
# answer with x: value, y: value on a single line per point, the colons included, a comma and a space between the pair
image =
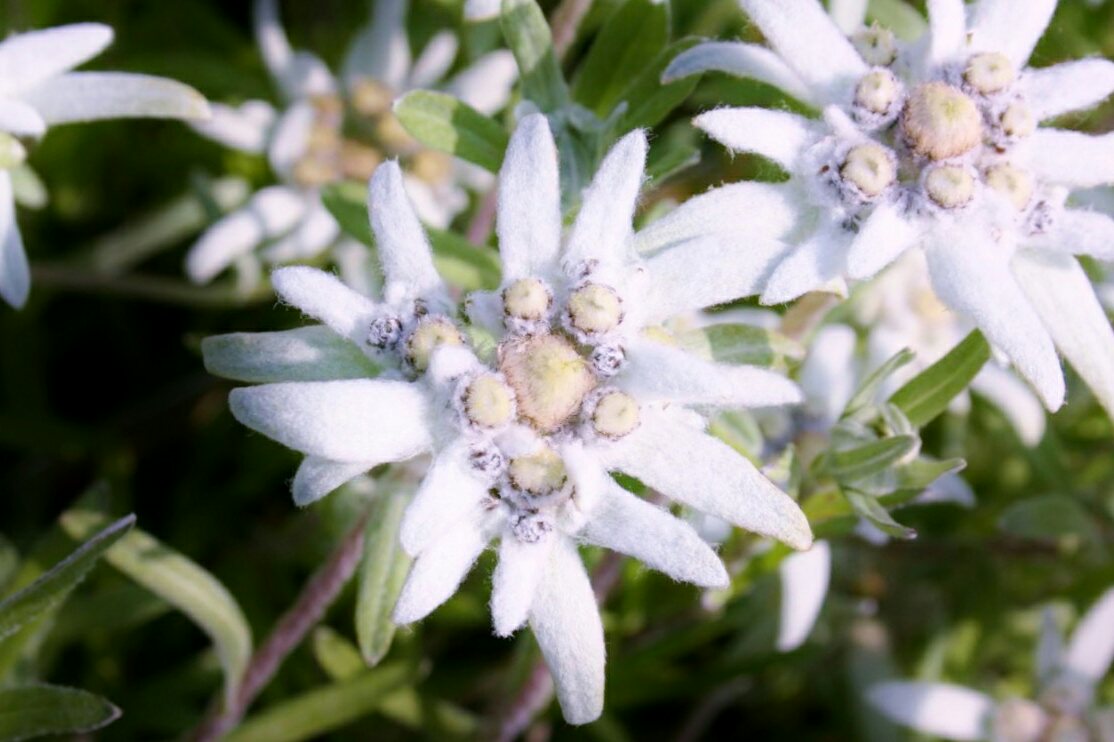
x: 39, y: 90
x: 1063, y: 710
x: 935, y: 145
x: 307, y: 147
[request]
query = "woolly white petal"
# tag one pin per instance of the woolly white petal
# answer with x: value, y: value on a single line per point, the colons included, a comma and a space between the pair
x: 270, y: 212
x: 809, y: 42
x: 886, y: 234
x: 778, y: 135
x: 741, y: 60
x: 1091, y: 648
x: 1071, y: 86
x: 1080, y: 232
x: 808, y: 266
x: 318, y: 477
x: 313, y: 353
x: 91, y: 96
x: 741, y: 211
x: 662, y: 372
x: 529, y: 219
x: 708, y: 271
x: 702, y: 472
x: 848, y: 15
x: 434, y: 61
x: 15, y: 273
x: 290, y: 138
x: 380, y: 50
x: 244, y: 127
x: 1062, y: 295
x: 973, y: 278
x: 940, y: 709
x: 404, y: 250
x: 804, y: 585
x: 481, y: 10
x: 1010, y: 27
x: 1016, y: 401
x: 486, y: 84
x: 1071, y: 158
x: 448, y: 493
x: 298, y: 74
x: 317, y: 230
x: 625, y: 523
x: 948, y: 28
x: 603, y: 226
x: 353, y: 420
x: 29, y: 58
x: 566, y: 623
x: 828, y: 372
x: 438, y: 572
x: 20, y: 119
x: 324, y: 297
x: 515, y: 581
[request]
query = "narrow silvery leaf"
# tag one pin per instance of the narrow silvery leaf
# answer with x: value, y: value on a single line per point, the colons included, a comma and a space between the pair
x: 634, y: 33
x: 90, y: 96
x: 851, y: 465
x: 444, y: 123
x: 869, y: 508
x: 183, y: 584
x: 742, y: 344
x: 49, y: 590
x: 313, y: 353
x: 648, y: 99
x: 867, y: 390
x: 930, y: 392
x: 382, y: 572
x: 39, y: 710
x: 528, y: 36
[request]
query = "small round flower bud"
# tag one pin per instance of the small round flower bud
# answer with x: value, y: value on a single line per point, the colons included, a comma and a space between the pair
x: 949, y: 186
x: 530, y: 528
x: 431, y: 332
x: 607, y: 360
x: 878, y: 91
x: 385, y: 332
x: 539, y: 474
x: 549, y: 379
x: 1017, y: 121
x: 392, y: 135
x: 615, y: 415
x: 431, y: 167
x: 940, y: 122
x: 488, y: 402
x: 370, y: 97
x: 487, y: 459
x: 1014, y: 184
x: 527, y: 299
x: 594, y: 309
x: 876, y: 45
x: 989, y: 72
x: 12, y: 152
x: 870, y: 168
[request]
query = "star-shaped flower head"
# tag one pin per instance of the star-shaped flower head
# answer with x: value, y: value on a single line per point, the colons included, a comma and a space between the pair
x: 524, y: 434
x: 1064, y: 709
x: 309, y: 146
x: 39, y: 90
x: 935, y: 145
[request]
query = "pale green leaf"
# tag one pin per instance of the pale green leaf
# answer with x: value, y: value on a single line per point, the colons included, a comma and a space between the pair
x: 898, y: 16
x: 312, y: 353
x: 930, y: 392
x: 868, y: 507
x: 39, y: 710
x: 528, y: 37
x: 743, y: 344
x: 1048, y: 518
x: 648, y: 101
x: 347, y: 202
x: 383, y: 571
x: 338, y: 657
x: 867, y: 390
x: 630, y: 39
x: 445, y: 123
x: 858, y: 463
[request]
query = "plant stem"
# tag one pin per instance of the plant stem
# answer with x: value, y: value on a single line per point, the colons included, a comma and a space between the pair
x: 479, y: 229
x: 152, y: 288
x: 307, y: 611
x: 566, y: 21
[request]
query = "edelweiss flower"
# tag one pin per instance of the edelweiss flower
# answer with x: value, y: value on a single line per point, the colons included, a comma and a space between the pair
x: 37, y: 90
x: 309, y: 146
x: 1065, y: 707
x: 935, y: 145
x: 524, y: 435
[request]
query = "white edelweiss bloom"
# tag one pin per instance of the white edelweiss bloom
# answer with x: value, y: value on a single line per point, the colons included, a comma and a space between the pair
x: 307, y: 149
x: 38, y: 89
x: 1064, y: 709
x: 935, y: 145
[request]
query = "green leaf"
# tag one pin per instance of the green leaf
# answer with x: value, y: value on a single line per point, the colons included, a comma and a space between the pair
x: 337, y: 656
x: 864, y: 395
x: 634, y: 34
x: 445, y: 123
x: 648, y: 101
x: 928, y: 393
x: 312, y: 353
x: 528, y: 37
x: 347, y: 202
x: 731, y: 343
x: 9, y: 563
x: 858, y: 463
x: 38, y: 710
x: 183, y: 584
x: 324, y: 709
x: 49, y: 590
x: 922, y: 472
x: 868, y: 507
x: 1048, y: 518
x: 382, y: 574
x: 898, y: 16
x: 670, y: 156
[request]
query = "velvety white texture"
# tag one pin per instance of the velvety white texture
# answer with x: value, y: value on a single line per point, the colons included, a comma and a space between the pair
x: 804, y: 585
x: 15, y: 273
x: 520, y: 569
x: 820, y: 259
x: 439, y: 570
x: 567, y: 625
x: 20, y: 119
x: 486, y: 83
x: 404, y: 250
x: 827, y: 374
x: 886, y: 234
x: 352, y: 420
x: 942, y: 709
x: 529, y: 213
x: 947, y: 21
x: 1071, y: 158
x: 1066, y: 87
x: 1091, y: 648
x: 741, y: 60
x: 244, y: 127
x: 325, y: 298
x: 848, y: 15
x: 317, y: 477
x: 313, y: 353
x: 91, y: 96
x: 449, y: 493
x: 1080, y: 232
x: 30, y: 58
x: 1009, y: 27
x: 778, y: 135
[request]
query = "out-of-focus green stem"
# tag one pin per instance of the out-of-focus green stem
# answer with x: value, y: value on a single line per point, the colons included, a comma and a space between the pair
x: 71, y: 277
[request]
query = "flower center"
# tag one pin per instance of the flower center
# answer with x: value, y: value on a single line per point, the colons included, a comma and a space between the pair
x: 549, y: 378
x: 595, y: 309
x: 489, y: 402
x: 527, y: 299
x: 870, y: 168
x: 616, y: 415
x: 1014, y: 184
x: 949, y: 186
x: 877, y: 91
x: 990, y: 72
x: 876, y: 45
x: 940, y: 122
x: 370, y: 97
x: 430, y: 333
x: 432, y: 167
x: 539, y: 474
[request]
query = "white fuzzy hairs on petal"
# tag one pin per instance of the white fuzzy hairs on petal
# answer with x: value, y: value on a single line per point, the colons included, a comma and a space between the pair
x: 529, y: 214
x: 804, y: 585
x: 566, y: 623
x: 28, y: 59
x: 883, y: 237
x: 20, y: 119
x: 514, y: 584
x: 940, y: 709
x: 603, y: 227
x: 448, y: 494
x: 324, y: 297
x: 947, y: 22
x: 318, y: 477
x: 440, y: 569
x: 1070, y: 86
x: 1010, y: 27
x: 780, y: 136
x: 741, y: 60
x: 15, y: 272
x: 1072, y: 158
